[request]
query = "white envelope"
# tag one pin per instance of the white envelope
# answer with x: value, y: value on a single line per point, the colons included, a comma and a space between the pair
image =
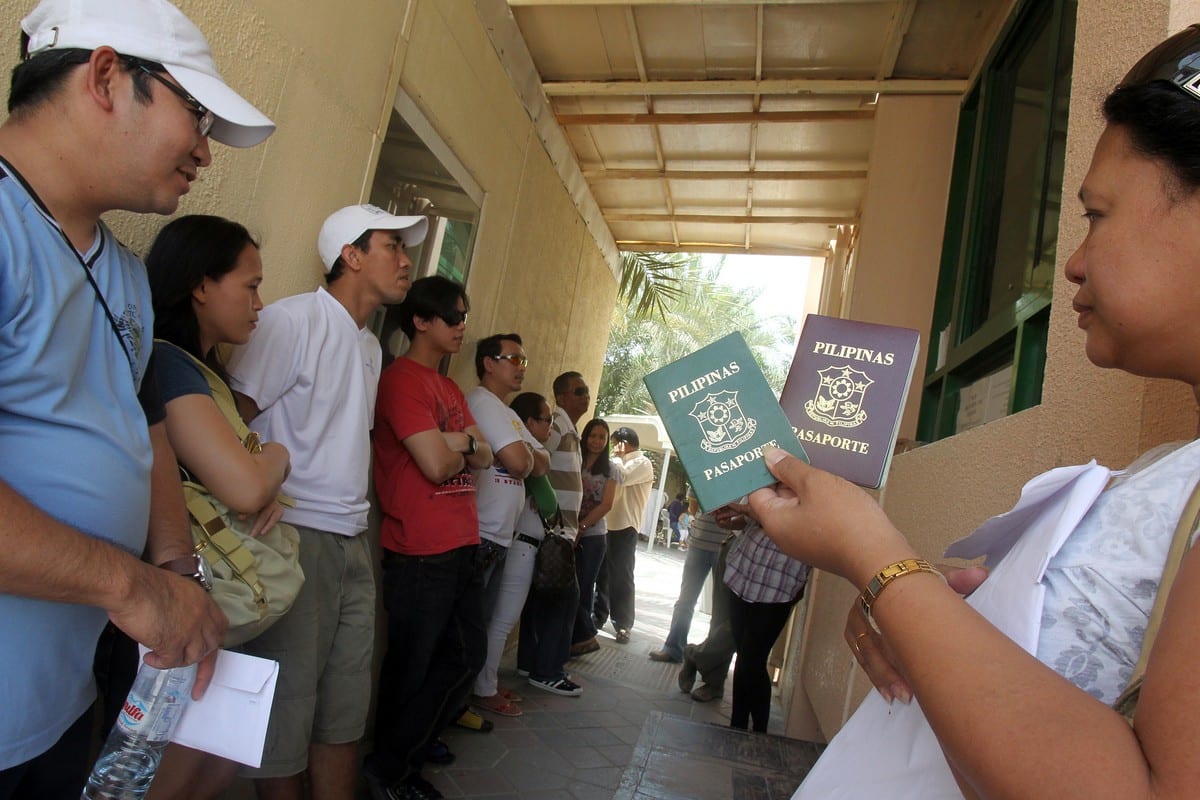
x: 231, y: 719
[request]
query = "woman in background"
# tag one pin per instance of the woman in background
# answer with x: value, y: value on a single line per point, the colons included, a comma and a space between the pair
x: 546, y: 623
x: 599, y: 491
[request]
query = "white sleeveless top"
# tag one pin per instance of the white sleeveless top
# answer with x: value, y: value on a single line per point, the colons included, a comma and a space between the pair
x: 1101, y: 585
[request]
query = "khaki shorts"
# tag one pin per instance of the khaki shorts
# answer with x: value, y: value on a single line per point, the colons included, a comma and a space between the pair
x: 323, y: 645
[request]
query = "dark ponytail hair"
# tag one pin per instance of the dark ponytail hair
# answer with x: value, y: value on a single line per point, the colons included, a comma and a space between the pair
x: 185, y: 252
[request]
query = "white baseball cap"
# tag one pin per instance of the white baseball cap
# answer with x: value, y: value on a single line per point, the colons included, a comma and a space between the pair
x: 153, y: 30
x: 345, y: 225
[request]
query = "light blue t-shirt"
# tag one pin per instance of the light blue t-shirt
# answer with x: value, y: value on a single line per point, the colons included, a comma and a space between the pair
x: 73, y: 441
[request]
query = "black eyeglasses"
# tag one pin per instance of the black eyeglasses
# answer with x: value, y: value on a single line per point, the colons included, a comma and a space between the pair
x: 543, y: 419
x: 204, y: 117
x: 513, y: 358
x: 581, y: 391
x: 1176, y: 60
x: 453, y: 318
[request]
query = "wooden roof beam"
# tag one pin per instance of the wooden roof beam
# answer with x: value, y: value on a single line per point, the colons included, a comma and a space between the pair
x: 724, y: 174
x: 733, y: 219
x: 717, y: 117
x: 767, y: 86
x: 636, y: 246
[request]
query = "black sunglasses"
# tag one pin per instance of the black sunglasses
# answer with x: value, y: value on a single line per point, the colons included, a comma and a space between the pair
x: 1176, y: 60
x: 453, y: 318
x: 204, y: 117
x: 581, y: 391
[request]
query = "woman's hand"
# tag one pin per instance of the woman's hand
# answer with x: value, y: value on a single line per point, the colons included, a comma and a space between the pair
x: 871, y: 650
x: 266, y: 518
x: 825, y: 521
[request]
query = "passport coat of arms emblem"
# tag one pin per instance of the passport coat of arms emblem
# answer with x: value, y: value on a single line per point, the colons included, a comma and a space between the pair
x: 839, y: 398
x: 722, y: 421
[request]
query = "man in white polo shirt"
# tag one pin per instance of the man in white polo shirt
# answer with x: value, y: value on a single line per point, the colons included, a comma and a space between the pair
x: 308, y: 379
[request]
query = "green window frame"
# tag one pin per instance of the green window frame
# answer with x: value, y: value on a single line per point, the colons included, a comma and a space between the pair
x: 992, y: 307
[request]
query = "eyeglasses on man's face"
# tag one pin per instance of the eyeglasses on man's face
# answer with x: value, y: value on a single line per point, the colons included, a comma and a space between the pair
x: 516, y: 359
x: 204, y: 117
x: 453, y: 318
x: 581, y: 391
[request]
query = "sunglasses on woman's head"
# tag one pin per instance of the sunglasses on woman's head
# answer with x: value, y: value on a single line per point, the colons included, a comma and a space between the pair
x: 1176, y: 60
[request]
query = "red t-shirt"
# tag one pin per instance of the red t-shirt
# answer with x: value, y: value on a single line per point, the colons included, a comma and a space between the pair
x: 420, y: 518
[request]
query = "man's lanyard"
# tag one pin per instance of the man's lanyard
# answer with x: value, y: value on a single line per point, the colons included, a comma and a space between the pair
x: 50, y: 220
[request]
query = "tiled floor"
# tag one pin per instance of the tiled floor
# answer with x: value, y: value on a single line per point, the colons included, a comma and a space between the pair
x: 681, y: 759
x: 632, y: 733
x: 580, y: 748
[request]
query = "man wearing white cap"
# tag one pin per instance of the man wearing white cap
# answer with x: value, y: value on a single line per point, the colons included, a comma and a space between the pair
x: 307, y: 380
x: 111, y: 108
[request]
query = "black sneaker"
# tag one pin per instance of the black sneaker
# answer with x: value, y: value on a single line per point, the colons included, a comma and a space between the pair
x: 417, y: 788
x: 561, y: 686
x: 413, y: 787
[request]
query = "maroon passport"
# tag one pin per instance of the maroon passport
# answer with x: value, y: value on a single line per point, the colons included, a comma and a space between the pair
x: 845, y: 394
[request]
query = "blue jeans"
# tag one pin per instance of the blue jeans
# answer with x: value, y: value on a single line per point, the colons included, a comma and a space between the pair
x: 545, y: 637
x: 696, y: 567
x: 588, y: 557
x: 436, y: 644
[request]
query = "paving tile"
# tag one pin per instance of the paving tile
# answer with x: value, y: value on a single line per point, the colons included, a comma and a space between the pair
x: 593, y: 719
x: 617, y: 754
x: 518, y: 737
x: 549, y: 737
x: 605, y: 777
x: 540, y: 719
x: 480, y: 782
x: 628, y: 734
x: 553, y: 794
x: 583, y: 757
x: 598, y: 737
x: 586, y: 791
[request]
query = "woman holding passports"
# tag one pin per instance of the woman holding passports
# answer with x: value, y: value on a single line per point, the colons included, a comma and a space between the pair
x: 1010, y: 724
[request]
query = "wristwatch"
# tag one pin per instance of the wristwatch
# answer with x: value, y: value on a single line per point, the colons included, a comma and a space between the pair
x: 472, y: 446
x: 194, y: 567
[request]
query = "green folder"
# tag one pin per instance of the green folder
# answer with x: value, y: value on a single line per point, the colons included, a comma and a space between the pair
x: 719, y: 412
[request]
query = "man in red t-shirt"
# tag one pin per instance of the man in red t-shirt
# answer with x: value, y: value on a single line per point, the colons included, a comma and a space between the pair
x: 426, y: 443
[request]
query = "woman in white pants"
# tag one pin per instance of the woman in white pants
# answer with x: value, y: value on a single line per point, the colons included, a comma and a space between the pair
x: 515, y: 577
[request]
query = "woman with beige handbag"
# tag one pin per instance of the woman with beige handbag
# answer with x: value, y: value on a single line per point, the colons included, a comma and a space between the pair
x: 204, y: 276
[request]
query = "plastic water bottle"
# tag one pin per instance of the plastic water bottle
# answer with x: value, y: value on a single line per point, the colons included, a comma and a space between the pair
x: 135, y: 745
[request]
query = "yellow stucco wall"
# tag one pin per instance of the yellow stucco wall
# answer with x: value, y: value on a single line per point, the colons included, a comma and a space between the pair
x: 940, y: 492
x: 329, y: 78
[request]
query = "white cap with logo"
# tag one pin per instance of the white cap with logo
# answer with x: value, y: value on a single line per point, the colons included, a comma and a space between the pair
x: 152, y: 30
x: 345, y: 225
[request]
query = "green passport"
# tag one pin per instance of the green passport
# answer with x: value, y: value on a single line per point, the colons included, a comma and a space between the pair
x: 719, y: 411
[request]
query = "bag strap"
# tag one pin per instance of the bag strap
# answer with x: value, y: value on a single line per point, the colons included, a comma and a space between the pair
x: 216, y: 542
x: 1180, y: 543
x: 222, y: 395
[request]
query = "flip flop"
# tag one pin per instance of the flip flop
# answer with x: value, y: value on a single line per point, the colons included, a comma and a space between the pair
x: 498, y: 705
x: 473, y: 722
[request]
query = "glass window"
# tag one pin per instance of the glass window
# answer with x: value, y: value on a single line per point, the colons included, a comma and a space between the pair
x: 998, y: 259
